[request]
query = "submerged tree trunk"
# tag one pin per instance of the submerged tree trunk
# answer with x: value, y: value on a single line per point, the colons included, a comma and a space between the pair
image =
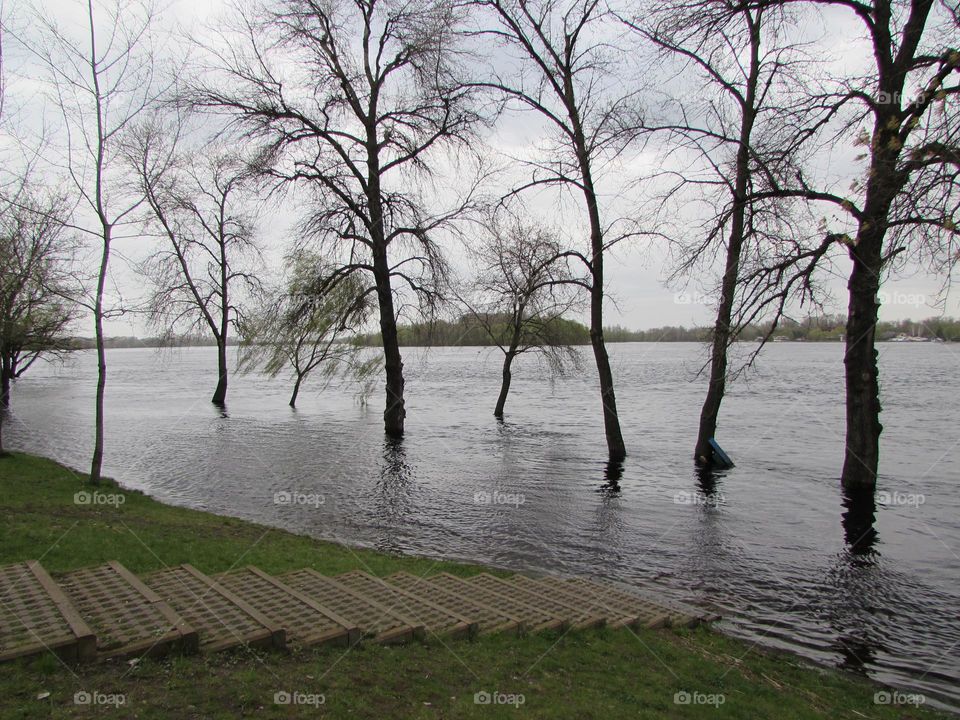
x: 858, y: 518
x: 862, y: 455
x: 96, y: 463
x: 709, y: 412
x: 703, y: 453
x: 394, y: 412
x: 4, y: 401
x: 220, y: 394
x: 862, y: 377
x: 296, y: 391
x: 505, y: 383
x: 616, y: 449
x: 611, y: 422
x: 6, y: 373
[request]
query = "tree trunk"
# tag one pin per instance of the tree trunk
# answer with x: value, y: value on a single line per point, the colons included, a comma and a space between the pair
x: 394, y: 412
x: 6, y: 374
x: 862, y: 455
x: 220, y: 395
x: 4, y: 401
x: 96, y: 463
x: 505, y: 384
x: 616, y: 449
x: 858, y: 517
x: 4, y: 398
x: 703, y: 452
x: 296, y: 391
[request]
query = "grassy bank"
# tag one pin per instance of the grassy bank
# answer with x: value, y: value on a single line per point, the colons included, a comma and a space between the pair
x: 587, y: 674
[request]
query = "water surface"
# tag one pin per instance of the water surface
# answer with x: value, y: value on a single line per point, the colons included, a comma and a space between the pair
x: 772, y: 544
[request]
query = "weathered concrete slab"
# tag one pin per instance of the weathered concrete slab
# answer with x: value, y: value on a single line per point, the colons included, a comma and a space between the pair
x: 489, y: 619
x: 436, y: 618
x: 36, y: 617
x: 575, y: 617
x: 628, y: 602
x: 305, y: 621
x: 221, y: 617
x: 128, y: 618
x: 373, y: 619
x: 106, y: 611
x: 620, y: 611
x: 531, y: 616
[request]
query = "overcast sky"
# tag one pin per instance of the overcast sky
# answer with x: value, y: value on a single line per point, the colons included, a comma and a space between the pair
x: 636, y: 271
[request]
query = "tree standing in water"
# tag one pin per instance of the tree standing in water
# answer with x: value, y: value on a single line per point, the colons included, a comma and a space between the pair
x: 523, y: 290
x: 353, y: 98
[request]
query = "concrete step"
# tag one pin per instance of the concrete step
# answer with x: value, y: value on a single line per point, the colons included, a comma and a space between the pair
x: 592, y: 600
x: 531, y: 616
x: 36, y: 616
x: 437, y: 619
x: 488, y: 619
x: 674, y: 614
x: 374, y: 620
x: 221, y: 617
x: 105, y: 611
x: 128, y: 618
x: 305, y: 621
x: 573, y: 616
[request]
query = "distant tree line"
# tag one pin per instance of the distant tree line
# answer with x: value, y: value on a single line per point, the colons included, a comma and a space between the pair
x: 830, y: 328
x: 130, y: 341
x: 466, y: 331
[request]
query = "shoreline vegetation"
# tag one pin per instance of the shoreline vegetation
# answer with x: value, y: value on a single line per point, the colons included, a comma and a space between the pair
x: 597, y: 673
x: 467, y: 331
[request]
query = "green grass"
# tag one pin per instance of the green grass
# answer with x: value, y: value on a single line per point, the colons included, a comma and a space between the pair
x: 587, y: 674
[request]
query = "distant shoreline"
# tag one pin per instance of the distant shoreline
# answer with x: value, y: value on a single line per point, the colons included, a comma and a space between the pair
x: 136, y: 343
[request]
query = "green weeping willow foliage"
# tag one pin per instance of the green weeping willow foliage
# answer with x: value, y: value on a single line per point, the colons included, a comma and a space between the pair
x: 308, y: 327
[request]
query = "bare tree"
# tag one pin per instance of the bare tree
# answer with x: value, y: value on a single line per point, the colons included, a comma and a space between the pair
x: 904, y: 111
x: 566, y: 74
x: 302, y: 331
x: 202, y: 202
x: 910, y: 191
x: 744, y: 124
x: 101, y: 81
x: 522, y: 292
x: 354, y: 99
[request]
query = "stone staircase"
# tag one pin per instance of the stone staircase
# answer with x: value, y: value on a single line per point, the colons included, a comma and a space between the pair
x: 108, y: 612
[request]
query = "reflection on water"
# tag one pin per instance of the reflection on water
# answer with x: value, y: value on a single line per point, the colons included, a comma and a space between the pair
x: 708, y: 480
x: 772, y: 544
x: 855, y: 576
x: 396, y: 470
x: 612, y: 474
